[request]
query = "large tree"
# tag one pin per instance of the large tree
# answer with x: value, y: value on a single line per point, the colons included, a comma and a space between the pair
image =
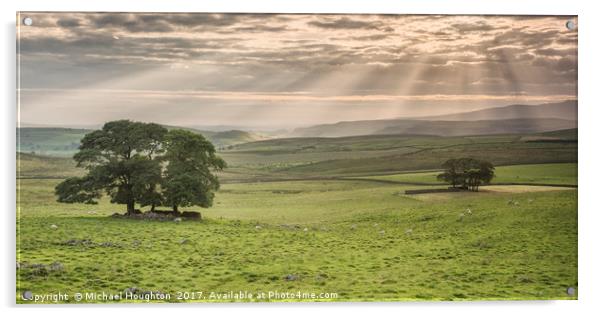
x: 189, y: 177
x: 120, y: 159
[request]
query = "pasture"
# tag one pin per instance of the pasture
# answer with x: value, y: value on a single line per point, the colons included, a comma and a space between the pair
x: 279, y: 225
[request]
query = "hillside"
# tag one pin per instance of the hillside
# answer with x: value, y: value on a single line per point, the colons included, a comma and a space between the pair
x: 64, y: 142
x: 564, y: 110
x: 51, y: 141
x: 441, y: 128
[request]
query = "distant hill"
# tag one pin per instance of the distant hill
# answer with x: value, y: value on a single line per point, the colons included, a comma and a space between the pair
x: 64, y: 142
x: 566, y: 110
x: 49, y: 141
x: 224, y: 138
x: 441, y: 128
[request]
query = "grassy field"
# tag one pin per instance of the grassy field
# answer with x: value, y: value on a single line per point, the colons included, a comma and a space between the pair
x: 282, y: 223
x: 363, y: 241
x: 553, y: 173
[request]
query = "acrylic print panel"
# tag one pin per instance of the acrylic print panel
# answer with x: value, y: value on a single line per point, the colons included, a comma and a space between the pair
x: 295, y: 158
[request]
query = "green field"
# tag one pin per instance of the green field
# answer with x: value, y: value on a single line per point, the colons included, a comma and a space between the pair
x: 553, y: 173
x: 288, y: 218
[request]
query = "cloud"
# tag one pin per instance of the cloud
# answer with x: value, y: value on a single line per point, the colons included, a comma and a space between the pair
x: 337, y: 55
x: 346, y: 23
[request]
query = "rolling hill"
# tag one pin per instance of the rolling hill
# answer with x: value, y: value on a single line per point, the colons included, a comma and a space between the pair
x: 64, y: 142
x: 566, y: 110
x: 440, y: 128
x: 514, y: 119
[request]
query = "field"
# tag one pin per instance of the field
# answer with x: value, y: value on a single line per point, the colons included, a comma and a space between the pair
x: 323, y: 216
x: 549, y: 174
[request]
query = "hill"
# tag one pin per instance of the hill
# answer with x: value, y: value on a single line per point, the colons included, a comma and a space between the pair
x: 563, y: 110
x: 440, y: 128
x: 51, y: 141
x: 64, y: 142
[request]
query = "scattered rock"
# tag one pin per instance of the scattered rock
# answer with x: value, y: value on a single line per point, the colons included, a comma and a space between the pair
x: 353, y: 227
x: 305, y: 229
x: 468, y: 211
x: 40, y: 270
x: 53, y: 226
x: 409, y: 231
x: 291, y: 277
x: 257, y: 227
x: 184, y: 241
x: 108, y: 244
x: 78, y: 242
x: 160, y: 215
x: 191, y: 215
x: 56, y: 266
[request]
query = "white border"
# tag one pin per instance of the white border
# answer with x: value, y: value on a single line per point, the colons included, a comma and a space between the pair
x: 590, y: 218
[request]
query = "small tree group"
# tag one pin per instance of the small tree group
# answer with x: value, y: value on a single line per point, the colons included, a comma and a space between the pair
x: 467, y: 173
x: 144, y: 163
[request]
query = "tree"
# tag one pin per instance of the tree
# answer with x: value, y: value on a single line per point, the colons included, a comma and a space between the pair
x: 118, y: 158
x: 468, y: 172
x: 452, y: 174
x: 189, y: 177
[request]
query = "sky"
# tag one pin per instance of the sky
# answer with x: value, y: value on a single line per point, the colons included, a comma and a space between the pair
x: 265, y: 71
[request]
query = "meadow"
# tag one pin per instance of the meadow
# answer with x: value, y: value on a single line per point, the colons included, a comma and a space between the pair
x: 289, y: 225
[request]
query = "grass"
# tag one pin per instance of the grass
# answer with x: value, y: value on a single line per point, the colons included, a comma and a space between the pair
x: 290, y: 216
x: 553, y: 173
x: 364, y: 241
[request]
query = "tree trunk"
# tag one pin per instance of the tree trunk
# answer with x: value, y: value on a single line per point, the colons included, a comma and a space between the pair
x: 131, y: 207
x: 152, y: 207
x: 175, y: 210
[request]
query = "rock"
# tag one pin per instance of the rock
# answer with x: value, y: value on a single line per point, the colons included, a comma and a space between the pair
x: 56, y: 266
x: 184, y: 241
x: 305, y: 229
x: 291, y: 277
x: 409, y: 231
x: 191, y: 215
x: 78, y: 242
x: 257, y: 227
x: 177, y: 219
x: 53, y: 226
x: 353, y: 227
x: 468, y: 211
x: 108, y: 244
x: 382, y: 232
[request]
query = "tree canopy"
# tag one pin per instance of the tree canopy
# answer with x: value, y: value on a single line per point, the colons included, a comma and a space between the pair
x: 144, y: 163
x: 467, y: 173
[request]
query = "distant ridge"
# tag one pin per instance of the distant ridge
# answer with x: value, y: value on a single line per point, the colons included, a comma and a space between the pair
x: 566, y: 110
x: 509, y: 119
x: 437, y: 128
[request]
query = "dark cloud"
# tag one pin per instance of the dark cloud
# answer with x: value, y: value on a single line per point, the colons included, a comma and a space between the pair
x: 480, y: 26
x: 231, y: 52
x: 68, y: 22
x: 346, y: 23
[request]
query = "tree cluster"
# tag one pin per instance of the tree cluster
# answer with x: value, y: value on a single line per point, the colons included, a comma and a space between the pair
x: 145, y: 164
x: 467, y: 173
